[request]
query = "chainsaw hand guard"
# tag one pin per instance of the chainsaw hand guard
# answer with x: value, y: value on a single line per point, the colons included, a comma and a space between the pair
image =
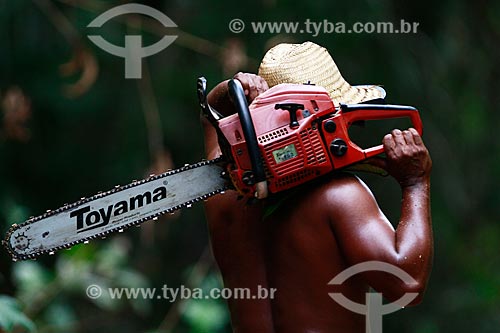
x: 258, y: 176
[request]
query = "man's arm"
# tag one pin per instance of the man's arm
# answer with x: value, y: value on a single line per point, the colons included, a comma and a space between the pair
x: 365, y: 234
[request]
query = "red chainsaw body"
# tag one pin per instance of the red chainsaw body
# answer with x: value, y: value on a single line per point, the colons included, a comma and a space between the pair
x: 293, y: 155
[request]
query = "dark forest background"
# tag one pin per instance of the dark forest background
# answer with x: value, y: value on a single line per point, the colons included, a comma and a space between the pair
x: 71, y: 125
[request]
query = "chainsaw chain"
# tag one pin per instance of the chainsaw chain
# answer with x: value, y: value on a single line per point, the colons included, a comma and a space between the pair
x: 99, y: 195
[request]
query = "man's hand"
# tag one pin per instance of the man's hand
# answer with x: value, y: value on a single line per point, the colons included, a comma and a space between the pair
x: 408, y: 160
x: 252, y: 84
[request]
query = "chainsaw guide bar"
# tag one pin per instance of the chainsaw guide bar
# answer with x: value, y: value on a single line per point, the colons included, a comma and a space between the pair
x: 117, y: 209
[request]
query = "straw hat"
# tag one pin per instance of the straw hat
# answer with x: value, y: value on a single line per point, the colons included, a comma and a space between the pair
x: 309, y: 62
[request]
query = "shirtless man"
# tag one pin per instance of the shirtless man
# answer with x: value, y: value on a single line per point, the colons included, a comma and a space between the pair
x: 315, y: 234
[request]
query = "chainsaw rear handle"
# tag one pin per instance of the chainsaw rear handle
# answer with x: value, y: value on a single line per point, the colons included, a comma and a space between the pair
x: 259, y: 176
x: 356, y: 112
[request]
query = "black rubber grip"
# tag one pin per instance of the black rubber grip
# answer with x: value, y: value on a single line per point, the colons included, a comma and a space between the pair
x: 238, y: 95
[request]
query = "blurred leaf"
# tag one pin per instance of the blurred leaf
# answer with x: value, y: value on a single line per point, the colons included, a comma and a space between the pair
x: 14, y: 212
x: 12, y: 317
x: 31, y: 277
x: 205, y: 316
x: 131, y: 279
x: 112, y: 255
x: 76, y: 272
x: 60, y: 317
x: 104, y: 301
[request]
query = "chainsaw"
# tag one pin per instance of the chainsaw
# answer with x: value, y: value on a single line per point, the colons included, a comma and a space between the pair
x: 289, y: 135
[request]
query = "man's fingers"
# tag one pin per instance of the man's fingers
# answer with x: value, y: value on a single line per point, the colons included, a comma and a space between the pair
x: 398, y: 137
x: 408, y: 138
x: 260, y: 85
x: 416, y: 137
x: 388, y: 142
x: 252, y: 90
x: 407, y: 158
x: 252, y: 84
x: 263, y: 84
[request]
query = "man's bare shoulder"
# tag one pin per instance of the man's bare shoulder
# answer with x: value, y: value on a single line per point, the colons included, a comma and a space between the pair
x: 343, y: 197
x: 343, y: 189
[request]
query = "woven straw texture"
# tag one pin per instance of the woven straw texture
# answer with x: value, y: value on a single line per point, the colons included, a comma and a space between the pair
x: 311, y: 63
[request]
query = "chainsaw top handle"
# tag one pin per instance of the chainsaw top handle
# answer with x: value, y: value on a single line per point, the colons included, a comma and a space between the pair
x: 355, y: 112
x: 240, y: 102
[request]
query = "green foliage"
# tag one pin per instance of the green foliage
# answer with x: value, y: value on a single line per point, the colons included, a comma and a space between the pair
x: 50, y: 292
x: 70, y: 133
x: 11, y: 316
x: 206, y: 315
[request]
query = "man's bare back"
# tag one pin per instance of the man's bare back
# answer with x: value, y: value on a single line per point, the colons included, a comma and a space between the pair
x: 298, y: 243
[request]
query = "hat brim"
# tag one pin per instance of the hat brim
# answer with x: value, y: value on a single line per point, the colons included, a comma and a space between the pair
x: 311, y: 63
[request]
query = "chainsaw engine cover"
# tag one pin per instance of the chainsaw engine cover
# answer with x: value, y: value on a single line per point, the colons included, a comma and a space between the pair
x: 287, y: 124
